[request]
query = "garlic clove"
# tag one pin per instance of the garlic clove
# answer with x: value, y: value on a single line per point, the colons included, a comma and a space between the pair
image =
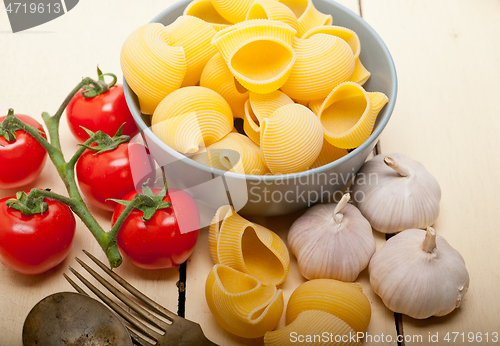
x: 419, y: 274
x: 332, y: 241
x: 395, y: 193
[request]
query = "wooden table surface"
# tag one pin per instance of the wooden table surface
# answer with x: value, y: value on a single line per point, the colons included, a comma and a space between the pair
x: 447, y: 116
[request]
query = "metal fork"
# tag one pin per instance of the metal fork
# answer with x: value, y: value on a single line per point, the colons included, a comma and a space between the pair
x: 178, y: 330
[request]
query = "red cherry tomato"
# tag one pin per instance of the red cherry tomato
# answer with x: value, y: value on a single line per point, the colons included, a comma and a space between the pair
x: 164, y: 241
x: 113, y: 174
x: 105, y: 112
x: 34, y: 244
x: 22, y: 160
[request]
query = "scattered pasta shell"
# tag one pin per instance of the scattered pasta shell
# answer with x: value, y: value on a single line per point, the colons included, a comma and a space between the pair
x: 251, y: 124
x: 310, y: 324
x: 241, y: 303
x: 205, y: 10
x: 323, y: 61
x: 217, y: 76
x: 291, y: 139
x: 328, y: 154
x: 195, y: 36
x: 258, y: 53
x: 274, y: 10
x: 234, y: 153
x: 152, y: 67
x: 308, y: 16
x: 192, y: 117
x: 360, y: 74
x: 248, y: 247
x: 348, y: 114
x: 233, y: 11
x: 341, y: 299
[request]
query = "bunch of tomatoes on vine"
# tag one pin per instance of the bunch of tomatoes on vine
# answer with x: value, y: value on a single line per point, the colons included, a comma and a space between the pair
x: 108, y: 170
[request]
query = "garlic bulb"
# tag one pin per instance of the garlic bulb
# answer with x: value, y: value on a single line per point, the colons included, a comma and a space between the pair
x: 419, y: 274
x: 332, y: 241
x: 395, y: 193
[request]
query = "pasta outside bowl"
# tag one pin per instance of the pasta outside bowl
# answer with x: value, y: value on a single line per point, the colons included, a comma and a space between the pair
x: 272, y: 195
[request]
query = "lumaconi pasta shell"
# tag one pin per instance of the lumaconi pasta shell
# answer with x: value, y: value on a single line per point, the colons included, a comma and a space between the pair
x: 341, y: 299
x: 328, y: 154
x: 195, y: 36
x: 151, y: 66
x: 323, y: 61
x: 291, y: 139
x: 192, y: 117
x: 308, y: 16
x: 251, y: 124
x: 361, y: 74
x: 248, y: 247
x: 204, y: 9
x: 313, y: 322
x: 235, y: 153
x: 259, y: 107
x: 274, y: 10
x: 263, y: 105
x: 217, y: 76
x: 348, y: 114
x: 232, y: 10
x: 258, y: 53
x: 241, y: 303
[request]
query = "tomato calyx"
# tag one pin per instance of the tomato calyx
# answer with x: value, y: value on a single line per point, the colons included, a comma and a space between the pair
x: 28, y: 204
x: 100, y: 86
x: 147, y: 202
x: 8, y: 127
x: 103, y: 142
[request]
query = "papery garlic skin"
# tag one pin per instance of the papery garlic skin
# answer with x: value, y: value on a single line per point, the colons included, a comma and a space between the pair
x: 394, y: 199
x: 415, y: 282
x: 329, y: 245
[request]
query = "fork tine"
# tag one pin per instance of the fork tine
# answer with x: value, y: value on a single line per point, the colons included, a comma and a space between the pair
x: 143, y: 298
x: 135, y: 337
x: 126, y: 300
x: 118, y: 309
x: 75, y: 286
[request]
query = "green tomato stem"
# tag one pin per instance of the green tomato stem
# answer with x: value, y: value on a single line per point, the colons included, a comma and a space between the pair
x: 66, y: 170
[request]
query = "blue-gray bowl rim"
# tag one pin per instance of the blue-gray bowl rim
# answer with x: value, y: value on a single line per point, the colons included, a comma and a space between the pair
x: 374, y: 135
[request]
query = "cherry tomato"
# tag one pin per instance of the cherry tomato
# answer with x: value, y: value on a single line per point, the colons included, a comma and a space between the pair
x: 105, y: 112
x: 164, y: 241
x: 34, y: 244
x: 23, y: 159
x: 113, y: 174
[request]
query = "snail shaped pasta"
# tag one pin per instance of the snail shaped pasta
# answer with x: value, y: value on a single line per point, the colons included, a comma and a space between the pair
x: 323, y: 61
x: 192, y: 117
x: 258, y: 107
x: 194, y: 36
x: 241, y: 303
x: 348, y: 114
x: 151, y: 65
x: 308, y: 16
x: 328, y: 154
x: 233, y: 11
x: 216, y: 76
x: 313, y: 322
x: 248, y: 247
x: 258, y: 53
x: 291, y: 139
x: 360, y: 74
x: 234, y: 153
x: 341, y: 299
x: 274, y: 10
x: 205, y: 10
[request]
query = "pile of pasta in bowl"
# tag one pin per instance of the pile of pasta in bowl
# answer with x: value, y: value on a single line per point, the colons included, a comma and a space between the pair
x: 294, y: 79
